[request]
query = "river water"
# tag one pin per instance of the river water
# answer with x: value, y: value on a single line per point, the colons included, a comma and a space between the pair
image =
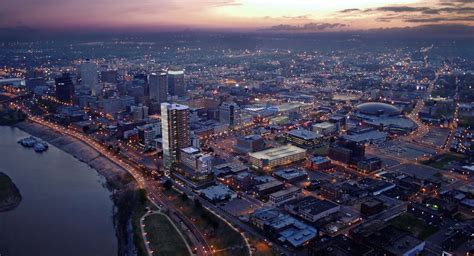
x: 66, y: 210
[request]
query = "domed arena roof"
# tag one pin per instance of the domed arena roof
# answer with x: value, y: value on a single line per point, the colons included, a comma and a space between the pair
x: 378, y: 109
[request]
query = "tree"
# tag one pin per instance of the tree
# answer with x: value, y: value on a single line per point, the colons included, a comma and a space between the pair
x: 197, y: 203
x: 167, y: 184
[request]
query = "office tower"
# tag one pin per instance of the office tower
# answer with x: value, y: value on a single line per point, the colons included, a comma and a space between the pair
x: 64, y: 88
x: 147, y: 134
x: 176, y: 86
x: 158, y: 84
x: 89, y: 77
x: 229, y: 113
x: 139, y: 112
x: 175, y: 131
x: 109, y: 76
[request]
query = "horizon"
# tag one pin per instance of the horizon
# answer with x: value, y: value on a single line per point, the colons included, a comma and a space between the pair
x: 234, y: 15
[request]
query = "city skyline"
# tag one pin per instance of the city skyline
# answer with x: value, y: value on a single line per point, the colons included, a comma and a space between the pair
x: 234, y: 15
x: 236, y: 127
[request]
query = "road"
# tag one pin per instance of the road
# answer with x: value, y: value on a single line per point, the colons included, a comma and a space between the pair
x: 149, y: 185
x: 454, y: 124
x: 423, y: 129
x: 201, y: 245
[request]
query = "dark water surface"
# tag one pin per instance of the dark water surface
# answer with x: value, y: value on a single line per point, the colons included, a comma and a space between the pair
x: 66, y: 210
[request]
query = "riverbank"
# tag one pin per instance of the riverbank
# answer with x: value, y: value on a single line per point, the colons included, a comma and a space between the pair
x: 119, y: 182
x: 10, y: 196
x: 11, y: 117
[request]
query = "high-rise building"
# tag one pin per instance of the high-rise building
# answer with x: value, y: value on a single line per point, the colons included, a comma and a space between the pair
x: 158, y: 83
x: 139, y: 112
x: 175, y: 131
x: 109, y: 76
x: 176, y: 86
x: 64, y: 88
x: 147, y: 134
x: 229, y: 113
x: 89, y: 77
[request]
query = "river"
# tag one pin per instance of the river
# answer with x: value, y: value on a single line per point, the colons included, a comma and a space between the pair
x: 66, y: 209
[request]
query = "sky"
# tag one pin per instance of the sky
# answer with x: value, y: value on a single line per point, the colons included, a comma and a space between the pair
x: 245, y: 15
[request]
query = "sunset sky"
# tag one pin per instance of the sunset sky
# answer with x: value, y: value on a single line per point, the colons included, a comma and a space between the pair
x: 269, y: 15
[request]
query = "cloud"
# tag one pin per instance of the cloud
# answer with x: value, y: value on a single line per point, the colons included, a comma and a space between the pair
x: 428, y: 30
x: 439, y: 19
x: 402, y: 9
x: 300, y: 17
x: 309, y: 27
x: 453, y: 2
x: 221, y: 3
x: 350, y: 10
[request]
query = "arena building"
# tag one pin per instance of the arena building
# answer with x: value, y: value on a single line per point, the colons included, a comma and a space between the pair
x: 384, y: 116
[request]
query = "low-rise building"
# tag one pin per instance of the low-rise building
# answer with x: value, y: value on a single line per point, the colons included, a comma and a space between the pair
x: 193, y: 158
x: 393, y: 241
x: 371, y: 207
x: 249, y: 143
x: 340, y: 245
x: 283, y: 228
x: 331, y: 191
x: 290, y: 175
x: 368, y: 165
x: 318, y: 163
x: 304, y: 138
x: 426, y: 213
x: 324, y: 128
x: 218, y: 193
x: 312, y: 209
x: 280, y: 156
x: 284, y: 195
x: 266, y: 188
x: 242, y: 181
x: 229, y: 168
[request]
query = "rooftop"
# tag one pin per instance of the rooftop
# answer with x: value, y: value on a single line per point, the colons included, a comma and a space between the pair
x: 268, y: 185
x: 173, y: 106
x: 289, y: 173
x: 378, y: 108
x: 252, y: 137
x: 276, y: 153
x: 323, y: 125
x: 290, y: 190
x: 320, y: 159
x: 313, y: 205
x: 304, y: 134
x: 190, y: 150
x: 366, y: 136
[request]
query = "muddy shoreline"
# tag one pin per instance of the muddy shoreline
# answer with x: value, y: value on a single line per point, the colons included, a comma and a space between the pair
x: 118, y: 181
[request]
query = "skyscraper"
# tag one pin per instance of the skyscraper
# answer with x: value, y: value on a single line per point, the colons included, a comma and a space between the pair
x: 89, y: 77
x: 139, y: 112
x: 175, y: 131
x: 158, y: 86
x: 229, y: 113
x: 64, y: 88
x: 176, y: 86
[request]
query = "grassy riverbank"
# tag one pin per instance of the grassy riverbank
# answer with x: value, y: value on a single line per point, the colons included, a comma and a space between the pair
x: 163, y: 237
x: 224, y: 239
